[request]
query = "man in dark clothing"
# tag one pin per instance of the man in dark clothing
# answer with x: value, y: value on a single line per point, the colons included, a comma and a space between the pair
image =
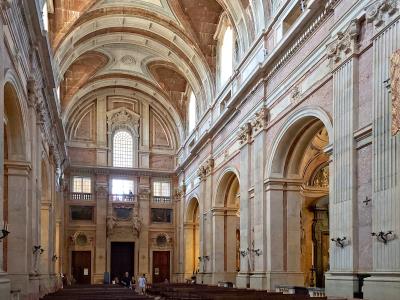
x: 126, y: 280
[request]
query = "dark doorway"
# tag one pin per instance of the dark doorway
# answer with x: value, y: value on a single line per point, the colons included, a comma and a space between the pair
x: 321, y: 244
x: 81, y: 266
x: 122, y: 259
x: 161, y: 266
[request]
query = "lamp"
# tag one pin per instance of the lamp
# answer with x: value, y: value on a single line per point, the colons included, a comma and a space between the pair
x: 383, y: 237
x: 38, y: 248
x: 4, y: 231
x: 339, y: 241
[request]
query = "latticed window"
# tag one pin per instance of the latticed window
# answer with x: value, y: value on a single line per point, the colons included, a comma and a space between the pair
x: 161, y: 191
x: 123, y: 149
x: 226, y: 56
x: 81, y: 188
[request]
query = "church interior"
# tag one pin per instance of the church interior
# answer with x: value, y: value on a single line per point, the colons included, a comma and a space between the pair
x: 234, y: 148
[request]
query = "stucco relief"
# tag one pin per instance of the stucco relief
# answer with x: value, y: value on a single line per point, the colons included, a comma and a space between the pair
x: 381, y: 11
x: 395, y: 89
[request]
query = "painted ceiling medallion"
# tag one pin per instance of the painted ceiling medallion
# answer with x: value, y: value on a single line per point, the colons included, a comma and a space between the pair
x: 128, y: 60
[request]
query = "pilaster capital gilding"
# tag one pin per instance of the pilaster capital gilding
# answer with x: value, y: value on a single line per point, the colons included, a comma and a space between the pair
x: 180, y: 192
x: 380, y: 12
x: 344, y: 45
x: 260, y: 121
x: 244, y: 134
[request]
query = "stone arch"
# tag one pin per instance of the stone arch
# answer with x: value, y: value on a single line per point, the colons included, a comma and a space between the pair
x: 298, y: 153
x: 226, y: 222
x: 300, y: 119
x: 15, y: 112
x: 226, y: 178
x: 192, y: 237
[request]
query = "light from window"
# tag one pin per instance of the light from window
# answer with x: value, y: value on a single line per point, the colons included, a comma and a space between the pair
x: 45, y: 18
x: 226, y: 56
x: 122, y: 187
x: 81, y: 185
x: 161, y: 189
x: 192, y: 112
x: 123, y: 149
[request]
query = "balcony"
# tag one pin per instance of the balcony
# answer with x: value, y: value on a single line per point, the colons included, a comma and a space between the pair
x: 161, y: 200
x: 81, y: 196
x: 127, y: 198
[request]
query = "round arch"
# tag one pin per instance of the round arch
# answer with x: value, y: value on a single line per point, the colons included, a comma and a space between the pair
x: 226, y: 178
x: 298, y: 120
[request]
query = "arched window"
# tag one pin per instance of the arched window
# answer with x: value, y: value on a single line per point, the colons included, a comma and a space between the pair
x: 123, y: 149
x: 192, y: 112
x: 45, y: 17
x: 226, y: 56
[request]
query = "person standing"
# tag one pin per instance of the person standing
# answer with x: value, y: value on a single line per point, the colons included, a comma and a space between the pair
x: 142, y: 284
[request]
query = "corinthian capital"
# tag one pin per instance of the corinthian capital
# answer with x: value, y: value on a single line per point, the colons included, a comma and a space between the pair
x: 261, y: 119
x: 244, y: 133
x: 344, y: 45
x: 380, y: 12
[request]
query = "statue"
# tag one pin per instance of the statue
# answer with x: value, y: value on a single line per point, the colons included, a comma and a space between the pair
x: 111, y: 222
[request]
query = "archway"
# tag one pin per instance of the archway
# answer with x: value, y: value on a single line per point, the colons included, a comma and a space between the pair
x: 300, y: 162
x: 192, y: 238
x: 226, y: 225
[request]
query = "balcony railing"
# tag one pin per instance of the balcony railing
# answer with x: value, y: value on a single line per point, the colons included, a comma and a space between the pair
x: 161, y: 200
x: 122, y: 198
x: 81, y: 196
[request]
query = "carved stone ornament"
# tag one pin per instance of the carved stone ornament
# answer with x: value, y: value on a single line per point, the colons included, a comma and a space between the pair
x: 137, y: 221
x: 381, y: 12
x: 180, y: 192
x: 161, y: 240
x: 80, y: 238
x: 244, y: 135
x: 101, y: 191
x: 123, y: 118
x: 205, y: 169
x: 261, y: 119
x: 344, y: 45
x: 295, y: 94
x: 111, y: 223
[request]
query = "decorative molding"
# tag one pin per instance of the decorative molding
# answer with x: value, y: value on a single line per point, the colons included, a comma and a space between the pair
x: 344, y: 45
x: 382, y: 12
x: 205, y: 169
x: 5, y: 4
x: 260, y: 121
x: 295, y: 94
x: 101, y: 191
x: 244, y: 134
x: 123, y: 118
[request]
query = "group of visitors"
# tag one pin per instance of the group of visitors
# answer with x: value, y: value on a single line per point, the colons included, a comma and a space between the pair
x: 130, y: 282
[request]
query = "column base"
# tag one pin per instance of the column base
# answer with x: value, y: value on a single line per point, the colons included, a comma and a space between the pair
x: 5, y: 286
x: 181, y: 277
x: 341, y: 284
x: 243, y: 280
x: 98, y: 278
x: 382, y: 286
x: 258, y: 281
x: 224, y: 277
x: 204, y: 278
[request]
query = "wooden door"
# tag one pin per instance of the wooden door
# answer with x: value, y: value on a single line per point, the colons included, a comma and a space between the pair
x: 161, y: 266
x: 81, y: 266
x: 122, y: 259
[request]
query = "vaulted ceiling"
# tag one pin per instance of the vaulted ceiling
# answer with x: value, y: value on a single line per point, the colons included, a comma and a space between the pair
x: 161, y: 48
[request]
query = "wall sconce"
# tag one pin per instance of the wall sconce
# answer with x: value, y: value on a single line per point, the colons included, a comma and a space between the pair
x: 257, y: 252
x: 203, y: 258
x: 244, y: 252
x: 54, y: 257
x: 4, y: 231
x: 37, y: 249
x: 383, y: 237
x: 340, y: 242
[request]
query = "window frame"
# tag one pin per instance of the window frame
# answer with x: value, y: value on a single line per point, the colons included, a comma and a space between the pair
x: 81, y: 195
x: 115, y: 133
x: 160, y: 199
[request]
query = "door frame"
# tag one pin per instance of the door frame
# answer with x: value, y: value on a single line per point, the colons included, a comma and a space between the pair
x: 91, y: 261
x: 136, y: 253
x: 151, y: 262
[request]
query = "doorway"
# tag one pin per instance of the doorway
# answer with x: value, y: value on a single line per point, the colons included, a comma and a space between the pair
x: 81, y: 266
x: 161, y: 266
x: 122, y: 259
